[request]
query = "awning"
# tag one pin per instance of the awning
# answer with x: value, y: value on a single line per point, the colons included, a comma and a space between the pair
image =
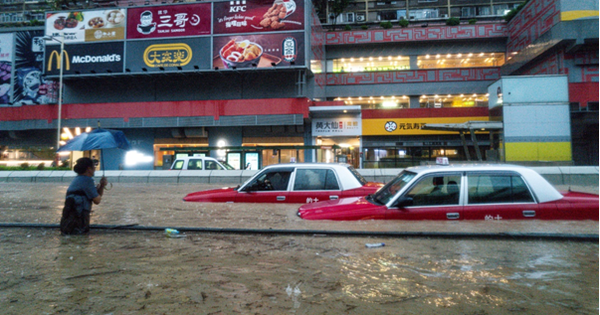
x: 470, y: 127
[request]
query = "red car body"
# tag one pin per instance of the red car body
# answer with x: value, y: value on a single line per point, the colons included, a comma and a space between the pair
x: 529, y: 196
x: 292, y: 183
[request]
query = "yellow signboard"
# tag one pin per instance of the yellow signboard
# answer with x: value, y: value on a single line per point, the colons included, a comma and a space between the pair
x: 411, y: 126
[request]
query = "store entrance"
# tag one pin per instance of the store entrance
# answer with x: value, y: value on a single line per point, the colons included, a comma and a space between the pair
x: 339, y: 150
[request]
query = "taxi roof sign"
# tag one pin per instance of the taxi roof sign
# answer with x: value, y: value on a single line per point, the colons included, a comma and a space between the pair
x: 442, y: 160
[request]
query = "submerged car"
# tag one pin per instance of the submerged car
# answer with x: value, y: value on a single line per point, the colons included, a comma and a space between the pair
x: 294, y: 183
x: 200, y: 163
x: 467, y: 192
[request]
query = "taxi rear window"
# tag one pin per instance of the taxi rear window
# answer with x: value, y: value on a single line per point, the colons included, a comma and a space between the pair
x: 356, y: 174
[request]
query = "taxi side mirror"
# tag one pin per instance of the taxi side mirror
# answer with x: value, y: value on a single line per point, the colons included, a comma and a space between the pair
x: 404, y: 201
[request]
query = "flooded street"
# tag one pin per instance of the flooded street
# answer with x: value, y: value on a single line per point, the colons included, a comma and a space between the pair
x: 144, y: 272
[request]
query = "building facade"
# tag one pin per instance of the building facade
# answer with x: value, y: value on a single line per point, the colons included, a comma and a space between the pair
x: 363, y: 97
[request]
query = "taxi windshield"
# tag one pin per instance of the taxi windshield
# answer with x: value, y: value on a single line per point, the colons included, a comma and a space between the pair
x: 387, y: 192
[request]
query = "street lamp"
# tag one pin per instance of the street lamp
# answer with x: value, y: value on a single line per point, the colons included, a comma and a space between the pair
x: 60, y: 81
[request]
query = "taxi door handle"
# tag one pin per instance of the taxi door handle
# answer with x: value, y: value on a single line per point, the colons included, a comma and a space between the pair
x: 334, y: 197
x: 452, y: 215
x: 280, y: 198
x: 529, y: 213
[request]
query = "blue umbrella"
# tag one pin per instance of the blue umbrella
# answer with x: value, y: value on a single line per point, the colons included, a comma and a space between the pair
x: 97, y: 139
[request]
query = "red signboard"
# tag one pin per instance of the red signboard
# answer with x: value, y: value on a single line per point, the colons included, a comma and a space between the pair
x: 259, y: 51
x: 169, y: 21
x: 250, y: 16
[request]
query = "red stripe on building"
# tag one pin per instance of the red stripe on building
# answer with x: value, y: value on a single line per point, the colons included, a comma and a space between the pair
x: 215, y: 108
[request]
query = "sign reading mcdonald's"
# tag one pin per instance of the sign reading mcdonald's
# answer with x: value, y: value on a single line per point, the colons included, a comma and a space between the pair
x: 85, y: 59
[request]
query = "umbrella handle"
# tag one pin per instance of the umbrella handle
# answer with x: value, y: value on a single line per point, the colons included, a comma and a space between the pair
x: 106, y: 187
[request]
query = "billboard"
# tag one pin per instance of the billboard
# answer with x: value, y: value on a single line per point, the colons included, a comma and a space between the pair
x: 258, y: 51
x: 30, y: 87
x: 6, y: 56
x: 245, y: 16
x: 85, y: 58
x: 170, y: 54
x: 86, y: 26
x: 169, y: 21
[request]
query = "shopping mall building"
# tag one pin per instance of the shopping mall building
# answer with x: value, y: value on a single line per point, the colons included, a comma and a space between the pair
x: 256, y: 83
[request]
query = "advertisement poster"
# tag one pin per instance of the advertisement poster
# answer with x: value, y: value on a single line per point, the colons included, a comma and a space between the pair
x: 86, y: 26
x: 258, y: 51
x: 251, y: 16
x: 85, y: 59
x: 29, y: 85
x: 6, y: 55
x: 170, y: 55
x: 169, y: 21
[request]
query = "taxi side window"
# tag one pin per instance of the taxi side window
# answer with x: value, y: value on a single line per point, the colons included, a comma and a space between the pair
x: 497, y: 189
x: 315, y: 179
x: 178, y: 165
x: 436, y: 190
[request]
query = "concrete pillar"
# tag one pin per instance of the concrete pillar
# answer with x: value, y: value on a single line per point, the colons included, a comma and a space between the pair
x: 414, y: 101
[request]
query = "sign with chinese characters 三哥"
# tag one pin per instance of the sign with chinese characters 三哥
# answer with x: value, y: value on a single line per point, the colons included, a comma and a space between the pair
x: 169, y: 21
x: 336, y: 127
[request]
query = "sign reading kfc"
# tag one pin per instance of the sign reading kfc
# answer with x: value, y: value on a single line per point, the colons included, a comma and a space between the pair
x: 251, y: 16
x: 169, y: 21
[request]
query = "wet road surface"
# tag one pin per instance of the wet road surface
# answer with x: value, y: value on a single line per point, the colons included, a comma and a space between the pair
x: 144, y: 272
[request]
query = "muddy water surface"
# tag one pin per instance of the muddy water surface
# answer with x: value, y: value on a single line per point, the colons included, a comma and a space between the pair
x: 144, y: 272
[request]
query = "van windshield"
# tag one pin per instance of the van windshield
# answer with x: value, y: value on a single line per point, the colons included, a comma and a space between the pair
x: 227, y: 166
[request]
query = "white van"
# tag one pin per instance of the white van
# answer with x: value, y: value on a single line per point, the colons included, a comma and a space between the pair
x: 199, y: 163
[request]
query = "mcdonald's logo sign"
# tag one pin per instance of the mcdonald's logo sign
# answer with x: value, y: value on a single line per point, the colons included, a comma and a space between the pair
x: 57, y: 54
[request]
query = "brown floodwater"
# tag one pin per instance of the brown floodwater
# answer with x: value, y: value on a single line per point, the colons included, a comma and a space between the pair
x: 144, y: 272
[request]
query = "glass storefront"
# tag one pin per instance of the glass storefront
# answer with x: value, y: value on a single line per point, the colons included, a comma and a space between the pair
x: 399, y: 63
x: 469, y: 60
x: 425, y: 101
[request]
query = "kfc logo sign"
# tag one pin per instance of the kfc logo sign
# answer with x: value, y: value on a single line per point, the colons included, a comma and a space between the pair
x: 237, y: 6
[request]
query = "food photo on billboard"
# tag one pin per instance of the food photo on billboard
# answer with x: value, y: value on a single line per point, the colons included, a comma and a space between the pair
x: 258, y: 16
x: 86, y: 26
x: 258, y: 51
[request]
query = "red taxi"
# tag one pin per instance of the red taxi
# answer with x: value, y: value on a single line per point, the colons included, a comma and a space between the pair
x: 294, y: 183
x: 467, y: 192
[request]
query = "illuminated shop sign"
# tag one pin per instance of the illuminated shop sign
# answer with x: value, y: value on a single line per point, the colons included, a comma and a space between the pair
x: 85, y: 59
x: 258, y: 51
x: 245, y: 16
x: 86, y: 26
x: 336, y: 127
x: 168, y: 55
x: 169, y: 21
x: 411, y: 126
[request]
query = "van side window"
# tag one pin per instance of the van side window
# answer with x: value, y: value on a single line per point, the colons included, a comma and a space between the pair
x: 497, y: 189
x: 212, y: 165
x: 315, y: 179
x: 178, y: 165
x: 195, y: 165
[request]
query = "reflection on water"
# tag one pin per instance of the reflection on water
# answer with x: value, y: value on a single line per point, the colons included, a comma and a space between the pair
x: 487, y: 273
